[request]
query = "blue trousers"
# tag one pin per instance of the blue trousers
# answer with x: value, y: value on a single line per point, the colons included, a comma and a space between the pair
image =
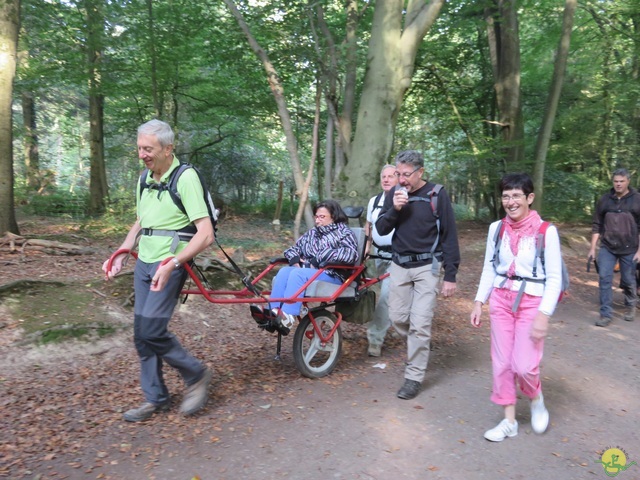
x: 289, y: 280
x: 606, y: 263
x: 153, y: 341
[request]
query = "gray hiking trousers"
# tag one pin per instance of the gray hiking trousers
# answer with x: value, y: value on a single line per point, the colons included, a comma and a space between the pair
x: 153, y: 341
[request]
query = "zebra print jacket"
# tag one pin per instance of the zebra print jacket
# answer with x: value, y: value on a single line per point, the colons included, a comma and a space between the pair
x: 328, y: 244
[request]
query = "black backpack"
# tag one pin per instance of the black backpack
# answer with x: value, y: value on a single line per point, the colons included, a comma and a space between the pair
x: 432, y: 198
x: 172, y: 187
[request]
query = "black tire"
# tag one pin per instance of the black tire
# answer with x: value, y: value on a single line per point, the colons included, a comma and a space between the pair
x: 312, y: 359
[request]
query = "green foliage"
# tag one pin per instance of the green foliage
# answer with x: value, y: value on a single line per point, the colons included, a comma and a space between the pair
x: 58, y: 335
x: 267, y: 209
x: 59, y: 203
x: 569, y: 197
x: 189, y: 63
x: 463, y: 212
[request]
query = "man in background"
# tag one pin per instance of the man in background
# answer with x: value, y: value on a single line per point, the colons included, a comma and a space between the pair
x: 378, y: 326
x: 616, y: 224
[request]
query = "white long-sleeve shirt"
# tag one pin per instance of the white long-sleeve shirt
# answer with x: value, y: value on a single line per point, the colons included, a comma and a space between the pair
x: 552, y: 272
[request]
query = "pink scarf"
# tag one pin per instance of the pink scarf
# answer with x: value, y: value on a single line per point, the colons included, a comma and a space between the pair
x: 527, y: 227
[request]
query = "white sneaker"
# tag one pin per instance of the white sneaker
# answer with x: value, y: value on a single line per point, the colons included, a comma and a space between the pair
x: 501, y: 431
x: 539, y: 415
x: 286, y: 319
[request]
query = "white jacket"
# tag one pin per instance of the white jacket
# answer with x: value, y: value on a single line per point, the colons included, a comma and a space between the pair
x: 552, y: 272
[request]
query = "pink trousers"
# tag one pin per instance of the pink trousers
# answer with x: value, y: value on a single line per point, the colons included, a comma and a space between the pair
x: 515, y: 357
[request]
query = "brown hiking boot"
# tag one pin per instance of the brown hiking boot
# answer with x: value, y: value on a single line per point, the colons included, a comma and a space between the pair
x: 197, y: 394
x: 630, y: 316
x: 603, y: 322
x: 144, y: 411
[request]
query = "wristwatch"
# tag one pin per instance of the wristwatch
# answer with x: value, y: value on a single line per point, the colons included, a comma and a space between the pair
x: 176, y: 262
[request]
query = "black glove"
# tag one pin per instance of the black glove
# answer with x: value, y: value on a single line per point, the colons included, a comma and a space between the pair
x: 315, y: 263
x: 294, y: 261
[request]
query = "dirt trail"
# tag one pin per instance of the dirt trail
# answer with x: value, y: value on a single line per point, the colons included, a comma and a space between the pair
x: 265, y: 421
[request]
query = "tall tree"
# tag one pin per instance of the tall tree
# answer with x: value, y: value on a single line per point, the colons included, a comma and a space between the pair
x: 277, y: 88
x: 98, y: 191
x: 340, y: 119
x: 9, y: 27
x: 504, y: 46
x: 544, y: 135
x: 396, y: 34
x: 31, y: 155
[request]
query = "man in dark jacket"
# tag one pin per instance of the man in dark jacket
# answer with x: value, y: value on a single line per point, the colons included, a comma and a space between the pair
x: 425, y: 239
x: 616, y: 223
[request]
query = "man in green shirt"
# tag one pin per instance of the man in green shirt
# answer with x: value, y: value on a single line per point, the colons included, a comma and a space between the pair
x: 157, y: 286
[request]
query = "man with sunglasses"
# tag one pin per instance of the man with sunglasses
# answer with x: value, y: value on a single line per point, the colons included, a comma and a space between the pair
x: 425, y: 240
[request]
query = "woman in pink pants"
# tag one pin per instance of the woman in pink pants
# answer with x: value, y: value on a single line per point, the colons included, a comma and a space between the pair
x: 523, y: 290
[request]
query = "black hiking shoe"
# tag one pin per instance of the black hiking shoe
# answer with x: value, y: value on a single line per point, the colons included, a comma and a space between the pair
x: 409, y: 390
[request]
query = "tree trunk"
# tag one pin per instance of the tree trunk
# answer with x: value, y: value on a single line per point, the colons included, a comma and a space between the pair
x: 9, y: 28
x: 544, y: 136
x: 157, y: 107
x: 504, y: 47
x: 345, y: 124
x: 314, y: 152
x: 635, y: 76
x: 278, y: 212
x: 328, y: 160
x: 340, y: 122
x: 31, y: 156
x: 98, y: 191
x: 605, y: 143
x: 390, y: 66
x: 277, y: 89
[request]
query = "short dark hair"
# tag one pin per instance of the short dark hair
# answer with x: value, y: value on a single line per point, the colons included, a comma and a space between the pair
x: 335, y: 210
x: 517, y: 181
x: 412, y: 157
x: 621, y: 172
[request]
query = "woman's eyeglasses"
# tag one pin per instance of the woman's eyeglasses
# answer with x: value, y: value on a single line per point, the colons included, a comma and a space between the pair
x: 516, y: 197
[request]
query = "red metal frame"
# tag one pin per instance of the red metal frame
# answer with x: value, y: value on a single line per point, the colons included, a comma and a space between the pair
x: 246, y: 296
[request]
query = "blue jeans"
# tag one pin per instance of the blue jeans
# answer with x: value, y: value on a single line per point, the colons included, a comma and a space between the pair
x: 606, y: 263
x: 289, y: 280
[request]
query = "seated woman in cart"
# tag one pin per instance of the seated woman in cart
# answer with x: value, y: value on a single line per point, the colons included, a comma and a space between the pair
x: 330, y: 242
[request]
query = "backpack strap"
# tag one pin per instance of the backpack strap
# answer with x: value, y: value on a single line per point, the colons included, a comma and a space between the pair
x: 432, y: 198
x: 170, y: 185
x: 184, y: 234
x: 376, y: 202
x: 173, y: 186
x: 497, y: 242
x: 433, y: 195
x: 540, y: 243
